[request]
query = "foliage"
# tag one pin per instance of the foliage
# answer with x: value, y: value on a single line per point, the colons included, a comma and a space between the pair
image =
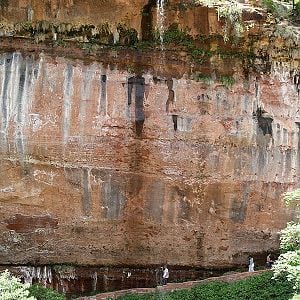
x: 297, y: 9
x: 130, y: 68
x: 143, y: 45
x: 270, y: 5
x: 282, y: 9
x: 232, y: 13
x: 292, y: 197
x: 288, y: 263
x: 42, y: 293
x: 200, y: 55
x: 11, y: 288
x: 290, y: 237
x: 259, y: 287
x: 207, y: 79
x: 175, y: 35
x: 139, y: 297
x: 227, y: 80
x: 127, y: 36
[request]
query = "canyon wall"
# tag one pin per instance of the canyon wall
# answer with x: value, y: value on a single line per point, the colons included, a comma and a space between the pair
x: 102, y: 165
x: 140, y: 15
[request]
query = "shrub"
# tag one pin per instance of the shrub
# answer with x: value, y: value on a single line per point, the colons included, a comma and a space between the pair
x: 290, y: 237
x: 42, y: 293
x: 288, y: 263
x: 297, y: 9
x: 207, y: 79
x: 292, y: 197
x: 270, y: 6
x: 227, y: 80
x: 140, y: 297
x: 11, y: 288
x: 232, y: 13
x: 178, y: 36
x: 260, y: 287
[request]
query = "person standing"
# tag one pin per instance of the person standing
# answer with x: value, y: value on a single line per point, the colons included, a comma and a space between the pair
x: 269, y: 261
x: 165, y: 275
x: 251, y: 264
x: 159, y: 275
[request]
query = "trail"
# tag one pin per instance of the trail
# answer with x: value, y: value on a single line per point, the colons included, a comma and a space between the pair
x: 173, y: 286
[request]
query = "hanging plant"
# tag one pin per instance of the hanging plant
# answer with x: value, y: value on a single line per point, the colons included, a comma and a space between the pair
x: 232, y: 13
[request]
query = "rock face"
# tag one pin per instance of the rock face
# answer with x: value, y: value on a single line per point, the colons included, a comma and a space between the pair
x: 101, y: 166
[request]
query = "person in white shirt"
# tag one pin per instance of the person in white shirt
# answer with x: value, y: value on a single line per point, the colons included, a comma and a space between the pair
x: 165, y: 275
x: 251, y: 264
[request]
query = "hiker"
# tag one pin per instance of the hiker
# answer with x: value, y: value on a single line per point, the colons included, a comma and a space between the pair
x: 165, y: 275
x: 270, y: 261
x: 251, y: 264
x: 159, y: 275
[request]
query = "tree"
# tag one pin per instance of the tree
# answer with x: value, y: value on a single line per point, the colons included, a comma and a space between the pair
x: 11, y: 288
x: 288, y: 263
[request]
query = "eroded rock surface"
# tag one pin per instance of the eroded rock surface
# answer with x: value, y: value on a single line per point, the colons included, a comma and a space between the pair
x: 101, y: 167
x: 118, y: 156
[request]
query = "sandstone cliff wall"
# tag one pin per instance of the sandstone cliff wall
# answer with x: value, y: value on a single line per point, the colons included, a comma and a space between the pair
x: 99, y: 168
x: 104, y: 165
x: 138, y: 14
